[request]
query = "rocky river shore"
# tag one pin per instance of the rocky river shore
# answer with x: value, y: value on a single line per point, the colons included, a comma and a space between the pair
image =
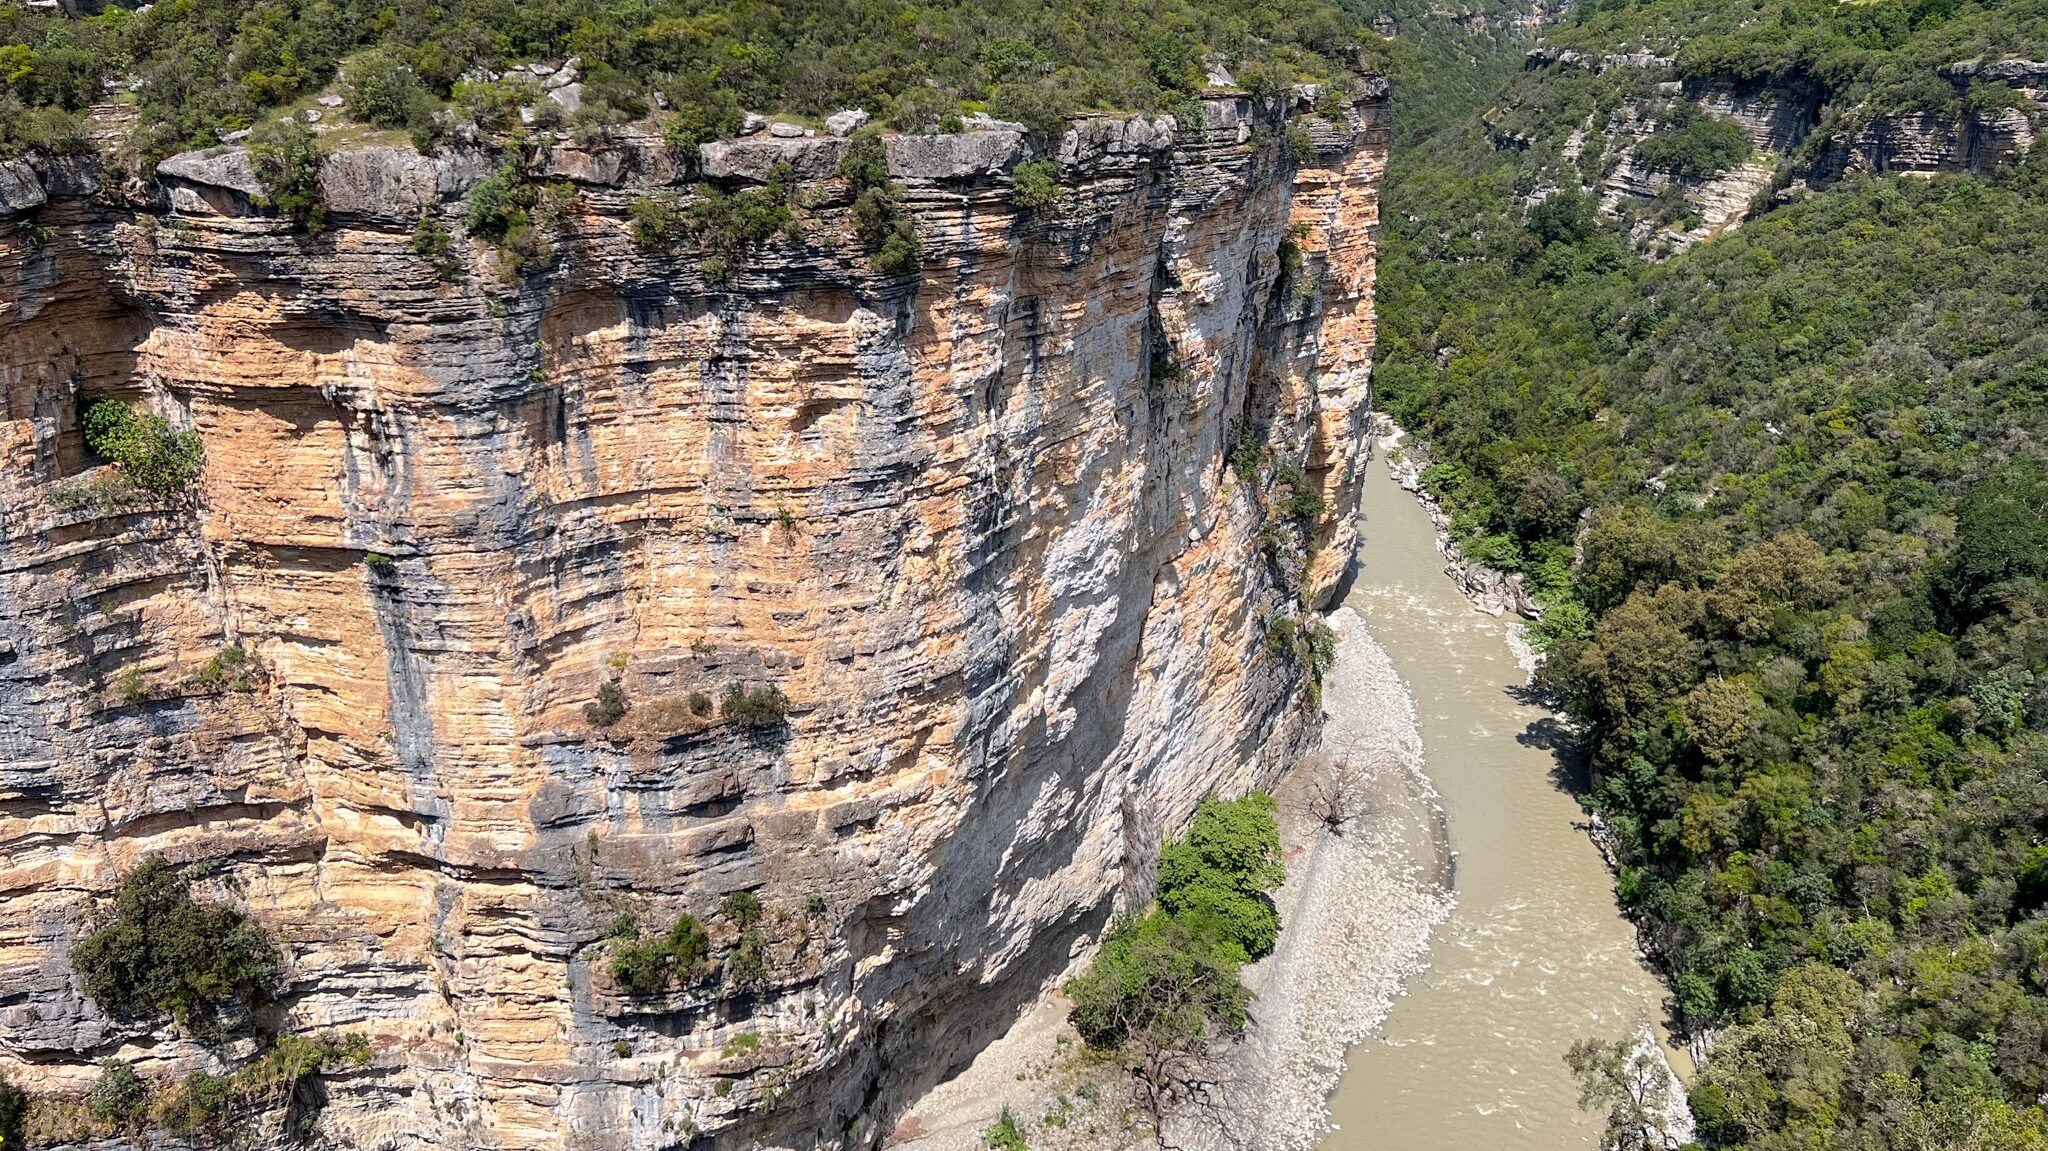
x: 1357, y: 911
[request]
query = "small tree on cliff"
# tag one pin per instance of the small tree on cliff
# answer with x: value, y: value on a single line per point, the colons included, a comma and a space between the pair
x: 287, y: 162
x: 162, y: 954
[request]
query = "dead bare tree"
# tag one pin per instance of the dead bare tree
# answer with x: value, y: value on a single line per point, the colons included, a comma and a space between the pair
x: 1333, y: 790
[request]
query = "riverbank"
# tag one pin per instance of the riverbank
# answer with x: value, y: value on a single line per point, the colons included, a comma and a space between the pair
x: 1359, y: 904
x: 1536, y: 953
x: 1357, y: 913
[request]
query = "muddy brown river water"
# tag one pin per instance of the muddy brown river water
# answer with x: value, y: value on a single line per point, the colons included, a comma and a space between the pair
x: 1536, y: 953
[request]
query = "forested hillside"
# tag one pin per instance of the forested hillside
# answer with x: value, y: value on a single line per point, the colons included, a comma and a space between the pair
x: 194, y: 69
x: 1780, y: 480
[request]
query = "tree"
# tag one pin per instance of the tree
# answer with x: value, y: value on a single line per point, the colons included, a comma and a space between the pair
x: 162, y: 954
x: 287, y: 161
x: 1158, y: 995
x: 1630, y: 1080
x: 1334, y: 790
x: 150, y: 455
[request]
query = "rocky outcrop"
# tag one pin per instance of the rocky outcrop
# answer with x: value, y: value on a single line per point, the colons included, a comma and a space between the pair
x: 976, y: 523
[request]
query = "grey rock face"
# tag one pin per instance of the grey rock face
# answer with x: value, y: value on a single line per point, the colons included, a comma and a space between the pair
x: 20, y: 189
x: 847, y: 122
x: 753, y: 158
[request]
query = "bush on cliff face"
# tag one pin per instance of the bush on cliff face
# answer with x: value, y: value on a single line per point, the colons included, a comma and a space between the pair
x: 1035, y: 185
x: 142, y: 445
x: 14, y: 1108
x: 609, y: 707
x: 878, y: 218
x: 761, y: 707
x: 646, y: 966
x: 161, y: 954
x: 287, y: 160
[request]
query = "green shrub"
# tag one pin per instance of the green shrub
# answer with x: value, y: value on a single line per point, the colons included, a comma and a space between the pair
x: 761, y: 707
x: 646, y: 966
x: 1302, y: 502
x: 1035, y: 184
x: 657, y: 221
x: 432, y: 241
x: 878, y: 220
x: 1218, y: 875
x: 1301, y: 146
x: 745, y: 1043
x: 700, y: 704
x: 742, y: 907
x: 150, y: 455
x: 1168, y: 982
x: 1159, y: 981
x: 119, y: 1096
x: 286, y: 158
x: 131, y: 687
x: 198, y: 1106
x: 226, y: 670
x: 746, y: 967
x: 14, y: 1109
x: 161, y: 954
x: 1694, y: 143
x: 379, y: 88
x: 1003, y: 1135
x: 609, y: 707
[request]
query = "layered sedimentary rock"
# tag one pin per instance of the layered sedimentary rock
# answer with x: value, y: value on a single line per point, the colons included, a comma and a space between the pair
x: 979, y: 524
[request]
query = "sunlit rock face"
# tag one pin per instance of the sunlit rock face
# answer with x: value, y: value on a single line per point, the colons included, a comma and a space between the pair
x: 978, y: 523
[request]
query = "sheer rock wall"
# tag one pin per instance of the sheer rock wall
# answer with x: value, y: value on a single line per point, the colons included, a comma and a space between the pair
x: 978, y: 524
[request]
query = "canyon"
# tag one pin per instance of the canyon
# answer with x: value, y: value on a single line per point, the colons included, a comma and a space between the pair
x: 1005, y: 532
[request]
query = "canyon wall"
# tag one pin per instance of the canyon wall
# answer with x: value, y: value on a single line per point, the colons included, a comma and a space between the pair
x: 978, y: 523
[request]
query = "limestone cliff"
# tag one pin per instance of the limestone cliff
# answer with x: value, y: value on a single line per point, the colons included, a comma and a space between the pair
x: 979, y: 524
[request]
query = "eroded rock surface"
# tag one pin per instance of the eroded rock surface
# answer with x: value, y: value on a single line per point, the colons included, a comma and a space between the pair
x: 978, y: 524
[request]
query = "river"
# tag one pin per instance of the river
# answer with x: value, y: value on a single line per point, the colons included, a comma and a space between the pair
x: 1535, y: 953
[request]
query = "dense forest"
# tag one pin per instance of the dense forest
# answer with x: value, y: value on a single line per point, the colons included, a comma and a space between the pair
x: 1784, y: 497
x: 194, y: 69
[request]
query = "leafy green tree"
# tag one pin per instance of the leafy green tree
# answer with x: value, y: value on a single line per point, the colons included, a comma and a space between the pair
x: 1632, y: 1084
x: 142, y: 445
x: 161, y: 954
x: 287, y: 161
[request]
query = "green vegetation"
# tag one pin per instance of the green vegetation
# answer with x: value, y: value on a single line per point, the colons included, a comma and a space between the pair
x: 1691, y: 143
x: 647, y: 966
x: 1035, y: 185
x: 1802, y: 627
x: 206, y: 1107
x: 1003, y: 1135
x: 161, y: 954
x: 758, y: 708
x: 515, y: 213
x: 150, y: 456
x: 14, y: 1107
x: 119, y: 1096
x: 1632, y: 1085
x: 1164, y: 986
x: 609, y: 707
x: 878, y: 218
x: 203, y: 67
x: 228, y: 669
x: 287, y: 160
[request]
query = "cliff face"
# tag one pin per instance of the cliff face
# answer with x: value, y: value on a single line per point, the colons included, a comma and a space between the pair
x: 1779, y: 121
x: 976, y: 523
